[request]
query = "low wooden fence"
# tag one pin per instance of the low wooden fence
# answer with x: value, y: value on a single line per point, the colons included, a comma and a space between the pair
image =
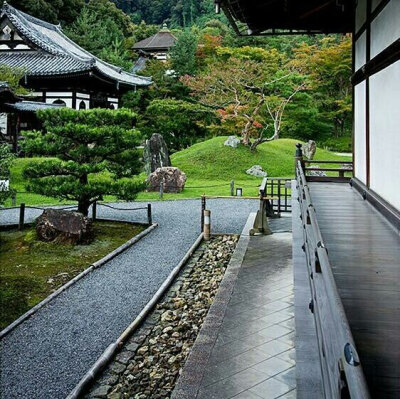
x: 342, y: 372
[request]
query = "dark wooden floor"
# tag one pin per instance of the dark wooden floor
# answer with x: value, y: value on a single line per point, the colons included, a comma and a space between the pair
x: 364, y: 251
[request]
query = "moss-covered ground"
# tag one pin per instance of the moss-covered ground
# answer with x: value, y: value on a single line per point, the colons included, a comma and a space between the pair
x: 30, y: 269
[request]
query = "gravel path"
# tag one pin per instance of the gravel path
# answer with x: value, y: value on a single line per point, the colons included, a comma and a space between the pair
x: 47, y: 355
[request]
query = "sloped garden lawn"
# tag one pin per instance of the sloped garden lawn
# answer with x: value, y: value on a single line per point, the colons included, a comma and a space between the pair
x: 30, y: 269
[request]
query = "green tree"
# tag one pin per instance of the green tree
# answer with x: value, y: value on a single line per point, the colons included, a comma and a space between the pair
x: 13, y: 77
x: 252, y: 86
x: 183, y: 54
x: 54, y: 11
x: 181, y: 123
x: 94, y: 155
x: 328, y: 65
x: 6, y: 159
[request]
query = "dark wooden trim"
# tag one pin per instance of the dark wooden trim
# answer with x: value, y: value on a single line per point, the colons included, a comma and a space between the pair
x: 381, y: 61
x: 367, y: 102
x: 328, y: 179
x: 387, y: 210
x: 74, y: 100
x: 374, y: 14
x: 353, y: 135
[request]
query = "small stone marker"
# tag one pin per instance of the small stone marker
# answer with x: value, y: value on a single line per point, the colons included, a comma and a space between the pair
x: 232, y: 141
x: 257, y: 170
x: 309, y: 149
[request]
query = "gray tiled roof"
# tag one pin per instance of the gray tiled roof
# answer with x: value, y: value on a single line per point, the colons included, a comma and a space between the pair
x: 57, y: 53
x: 162, y: 40
x: 32, y: 106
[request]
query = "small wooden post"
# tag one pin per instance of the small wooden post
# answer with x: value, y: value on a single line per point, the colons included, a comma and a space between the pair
x: 149, y: 217
x: 232, y: 188
x: 21, y: 216
x: 161, y: 190
x: 94, y: 210
x: 279, y: 197
x: 207, y: 225
x: 299, y: 157
x: 14, y: 199
x: 203, y: 207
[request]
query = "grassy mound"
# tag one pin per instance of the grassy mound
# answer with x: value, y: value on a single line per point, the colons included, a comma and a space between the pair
x: 211, y: 160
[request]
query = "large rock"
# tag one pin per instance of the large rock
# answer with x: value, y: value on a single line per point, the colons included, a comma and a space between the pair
x: 309, y: 149
x: 155, y: 154
x: 316, y: 172
x: 256, y: 170
x: 55, y: 225
x: 173, y: 180
x: 232, y: 141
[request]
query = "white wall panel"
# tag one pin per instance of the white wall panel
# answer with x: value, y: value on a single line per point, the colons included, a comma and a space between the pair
x: 361, y: 13
x: 385, y: 134
x: 385, y: 28
x: 359, y: 133
x: 361, y: 51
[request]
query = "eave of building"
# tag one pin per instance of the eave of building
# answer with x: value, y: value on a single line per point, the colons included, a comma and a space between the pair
x: 52, y: 46
x: 254, y: 17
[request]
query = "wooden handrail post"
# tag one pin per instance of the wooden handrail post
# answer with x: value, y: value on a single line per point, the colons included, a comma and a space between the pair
x: 299, y: 156
x: 207, y: 224
x: 203, y: 208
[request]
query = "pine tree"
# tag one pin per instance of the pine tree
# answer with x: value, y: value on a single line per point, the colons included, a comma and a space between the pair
x: 94, y: 155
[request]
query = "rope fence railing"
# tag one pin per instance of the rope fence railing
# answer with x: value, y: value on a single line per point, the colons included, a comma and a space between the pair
x: 23, y: 207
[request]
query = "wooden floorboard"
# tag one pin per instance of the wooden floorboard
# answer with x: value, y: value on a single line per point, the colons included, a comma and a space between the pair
x: 364, y: 251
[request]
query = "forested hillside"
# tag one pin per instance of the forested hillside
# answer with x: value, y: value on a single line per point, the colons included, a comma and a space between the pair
x: 215, y: 83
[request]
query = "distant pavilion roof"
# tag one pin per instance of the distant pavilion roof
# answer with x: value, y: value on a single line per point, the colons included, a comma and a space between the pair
x: 32, y: 106
x: 162, y: 40
x: 57, y: 54
x: 289, y: 16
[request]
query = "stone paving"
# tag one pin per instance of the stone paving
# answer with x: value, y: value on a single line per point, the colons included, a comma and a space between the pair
x: 254, y: 355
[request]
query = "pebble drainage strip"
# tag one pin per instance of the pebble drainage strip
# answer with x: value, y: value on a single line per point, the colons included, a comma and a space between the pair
x: 150, y: 362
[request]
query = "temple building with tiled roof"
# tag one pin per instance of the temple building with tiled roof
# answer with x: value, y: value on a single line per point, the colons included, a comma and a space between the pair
x: 58, y: 71
x: 156, y: 46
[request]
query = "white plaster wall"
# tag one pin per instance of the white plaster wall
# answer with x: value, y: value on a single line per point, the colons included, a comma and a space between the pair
x: 68, y: 101
x: 359, y: 133
x: 385, y: 28
x: 361, y: 13
x: 78, y: 102
x: 385, y: 134
x: 361, y: 53
x: 3, y: 122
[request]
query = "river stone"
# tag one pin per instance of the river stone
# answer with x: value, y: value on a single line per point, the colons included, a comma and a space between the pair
x: 173, y: 180
x: 232, y: 141
x: 309, y: 149
x: 60, y: 226
x: 256, y: 170
x: 155, y: 154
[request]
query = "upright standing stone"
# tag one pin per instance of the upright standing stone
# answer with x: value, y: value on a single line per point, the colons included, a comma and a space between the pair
x: 155, y: 154
x: 309, y: 149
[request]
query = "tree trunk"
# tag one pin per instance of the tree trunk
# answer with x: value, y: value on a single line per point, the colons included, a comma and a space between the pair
x: 84, y: 203
x: 83, y: 207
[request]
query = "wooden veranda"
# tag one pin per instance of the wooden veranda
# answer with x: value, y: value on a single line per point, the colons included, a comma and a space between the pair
x: 352, y: 252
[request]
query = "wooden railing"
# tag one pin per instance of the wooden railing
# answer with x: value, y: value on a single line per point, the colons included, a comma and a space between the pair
x: 280, y: 188
x: 342, y: 372
x: 344, y: 171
